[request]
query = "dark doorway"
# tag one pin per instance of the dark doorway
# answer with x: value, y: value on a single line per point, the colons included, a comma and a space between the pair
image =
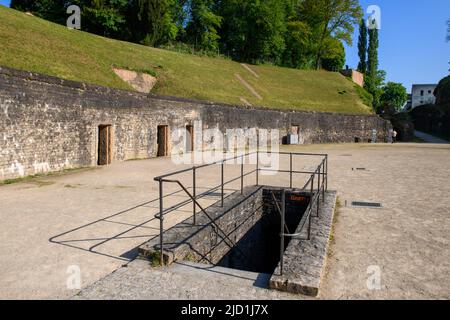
x: 104, y: 145
x: 189, y: 138
x: 163, y: 141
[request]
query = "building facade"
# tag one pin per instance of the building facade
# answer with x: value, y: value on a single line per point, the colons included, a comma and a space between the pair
x: 422, y: 94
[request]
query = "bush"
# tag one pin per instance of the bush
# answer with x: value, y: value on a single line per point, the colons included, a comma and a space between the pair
x: 442, y: 92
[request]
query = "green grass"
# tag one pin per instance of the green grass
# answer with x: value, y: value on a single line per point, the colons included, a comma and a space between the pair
x: 33, y: 44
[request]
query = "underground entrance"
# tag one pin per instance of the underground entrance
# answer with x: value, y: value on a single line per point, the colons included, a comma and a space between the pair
x: 260, y: 247
x: 280, y: 232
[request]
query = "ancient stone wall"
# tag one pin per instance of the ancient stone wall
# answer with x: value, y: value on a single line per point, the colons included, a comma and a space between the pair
x: 49, y: 124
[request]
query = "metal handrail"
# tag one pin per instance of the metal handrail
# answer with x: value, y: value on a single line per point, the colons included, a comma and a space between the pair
x: 321, y: 171
x: 225, y: 236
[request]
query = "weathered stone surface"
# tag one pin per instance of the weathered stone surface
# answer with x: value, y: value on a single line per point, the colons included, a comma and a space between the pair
x: 203, y: 242
x: 304, y: 261
x: 49, y: 124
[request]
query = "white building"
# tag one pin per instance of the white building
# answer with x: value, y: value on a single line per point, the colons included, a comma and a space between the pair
x: 422, y: 94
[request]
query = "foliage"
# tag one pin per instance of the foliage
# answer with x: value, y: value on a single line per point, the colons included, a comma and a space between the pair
x: 372, y: 79
x: 362, y: 47
x: 154, y: 22
x: 273, y: 31
x: 442, y: 92
x: 302, y: 34
x: 104, y: 17
x: 79, y: 56
x: 202, y: 28
x: 393, y: 97
x: 329, y: 19
x: 334, y: 58
x: 253, y: 30
x: 52, y: 10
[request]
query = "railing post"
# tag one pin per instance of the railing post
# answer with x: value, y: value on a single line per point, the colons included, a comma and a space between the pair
x: 161, y: 222
x: 222, y: 181
x: 309, y: 226
x: 290, y: 171
x: 323, y: 181
x: 194, y: 194
x: 318, y: 191
x: 242, y: 174
x: 326, y: 172
x: 257, y: 167
x: 283, y: 211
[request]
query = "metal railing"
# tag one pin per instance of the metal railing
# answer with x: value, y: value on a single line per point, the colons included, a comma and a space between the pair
x: 316, y: 195
x: 322, y: 186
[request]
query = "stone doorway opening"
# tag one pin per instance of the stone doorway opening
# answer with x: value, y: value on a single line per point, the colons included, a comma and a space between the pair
x: 189, y: 138
x: 163, y: 140
x: 104, y: 145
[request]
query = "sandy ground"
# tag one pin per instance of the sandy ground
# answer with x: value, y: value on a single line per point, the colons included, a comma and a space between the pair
x: 95, y: 219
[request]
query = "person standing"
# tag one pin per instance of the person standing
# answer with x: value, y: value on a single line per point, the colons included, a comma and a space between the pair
x: 394, y: 136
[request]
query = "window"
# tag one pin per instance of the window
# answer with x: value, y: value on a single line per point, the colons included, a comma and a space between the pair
x: 421, y: 92
x: 429, y: 91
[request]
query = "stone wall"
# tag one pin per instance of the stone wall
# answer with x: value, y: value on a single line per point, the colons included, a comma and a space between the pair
x: 204, y: 242
x: 356, y: 76
x: 49, y: 124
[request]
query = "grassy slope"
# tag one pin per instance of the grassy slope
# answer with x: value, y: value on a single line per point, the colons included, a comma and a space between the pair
x: 33, y: 44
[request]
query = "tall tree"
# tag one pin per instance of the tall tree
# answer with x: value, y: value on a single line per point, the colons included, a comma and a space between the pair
x: 362, y: 47
x: 253, y: 30
x: 153, y: 22
x: 103, y: 17
x: 372, y: 76
x: 203, y: 25
x: 330, y: 18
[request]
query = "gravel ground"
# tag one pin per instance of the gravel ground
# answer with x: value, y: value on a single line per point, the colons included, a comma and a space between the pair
x: 95, y: 219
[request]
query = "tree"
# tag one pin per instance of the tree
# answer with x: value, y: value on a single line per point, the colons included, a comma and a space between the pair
x: 442, y: 92
x: 393, y: 97
x: 52, y: 10
x: 253, y: 30
x: 330, y: 18
x: 153, y: 21
x: 372, y: 81
x: 334, y: 57
x: 298, y: 45
x: 362, y: 47
x: 202, y: 29
x: 104, y: 17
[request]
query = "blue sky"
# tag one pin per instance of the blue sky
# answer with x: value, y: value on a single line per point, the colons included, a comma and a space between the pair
x: 412, y: 40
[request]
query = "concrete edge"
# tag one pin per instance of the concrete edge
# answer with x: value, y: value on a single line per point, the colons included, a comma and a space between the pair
x: 305, y: 261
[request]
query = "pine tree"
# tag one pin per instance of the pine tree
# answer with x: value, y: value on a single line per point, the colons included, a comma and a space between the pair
x: 362, y: 47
